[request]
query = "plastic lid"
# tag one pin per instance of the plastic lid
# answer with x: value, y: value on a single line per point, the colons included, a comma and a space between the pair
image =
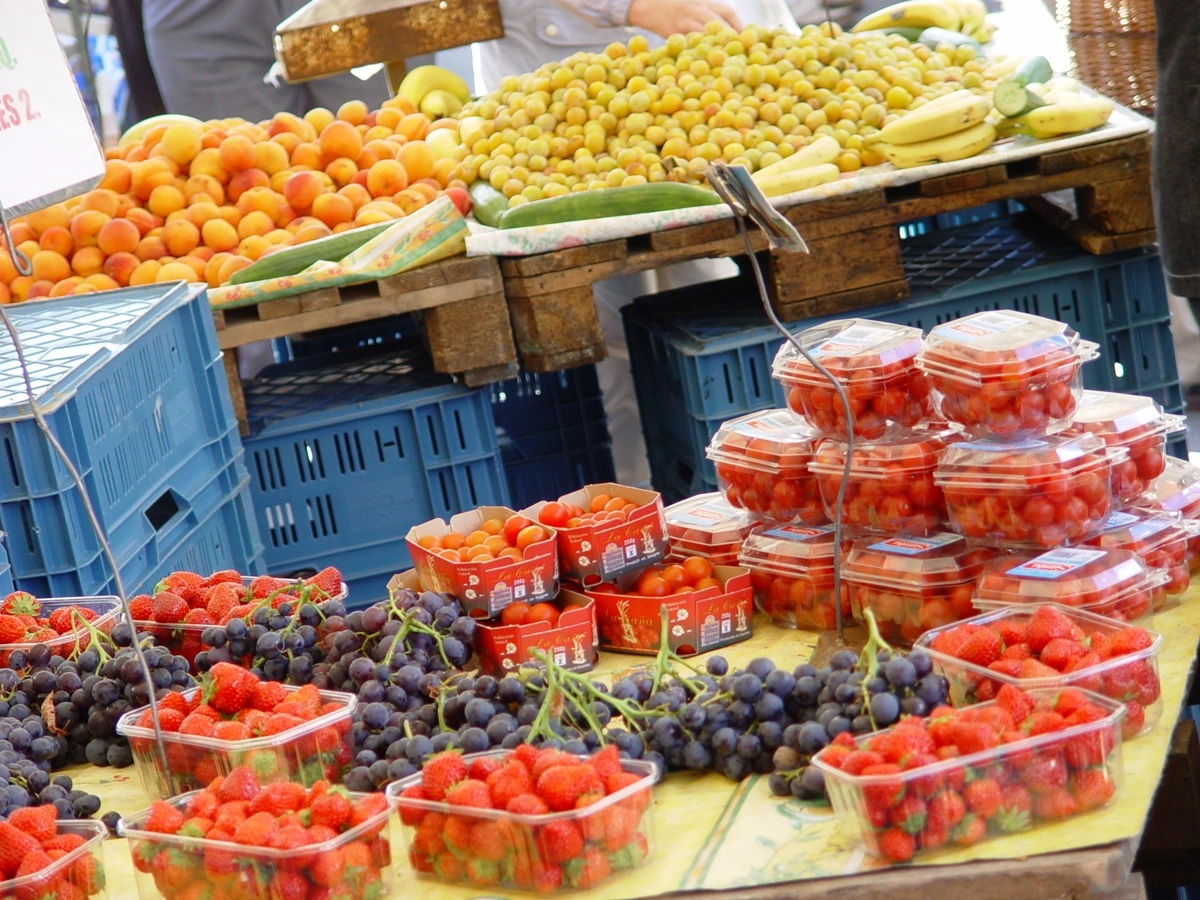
x: 1177, y: 489
x: 789, y: 549
x: 982, y: 346
x: 772, y: 440
x: 910, y: 452
x: 984, y: 464
x: 1113, y: 416
x: 848, y: 346
x: 1140, y: 530
x: 909, y: 564
x: 1077, y: 576
x: 706, y: 520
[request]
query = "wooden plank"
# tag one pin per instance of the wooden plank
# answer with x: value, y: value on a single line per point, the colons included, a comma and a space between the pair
x: 1117, y: 207
x: 280, y: 307
x: 548, y: 324
x: 218, y: 318
x: 556, y: 261
x: 470, y: 334
x: 839, y: 264
x: 567, y: 359
x: 843, y: 301
x: 234, y: 378
x: 1094, y: 154
x: 474, y: 378
x: 705, y: 233
x: 1060, y: 211
x: 963, y: 181
x: 456, y: 270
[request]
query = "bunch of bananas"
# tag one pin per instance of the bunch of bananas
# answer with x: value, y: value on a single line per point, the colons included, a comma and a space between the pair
x: 967, y: 17
x: 437, y: 92
x: 951, y: 127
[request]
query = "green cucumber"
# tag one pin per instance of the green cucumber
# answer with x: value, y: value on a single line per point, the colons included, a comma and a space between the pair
x: 623, y: 201
x: 932, y: 37
x: 296, y: 259
x: 488, y: 204
x: 912, y: 35
x: 1035, y: 70
x: 1011, y: 99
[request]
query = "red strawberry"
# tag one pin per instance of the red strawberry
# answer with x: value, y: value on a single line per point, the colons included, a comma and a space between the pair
x: 1129, y: 640
x: 1044, y: 774
x: 12, y: 630
x: 256, y: 830
x: 982, y: 648
x: 527, y: 805
x: 196, y: 724
x: 951, y: 641
x: 589, y: 871
x: 169, y: 608
x: 559, y: 841
x: 562, y: 786
x: 547, y: 759
x: 1017, y: 651
x: 328, y: 868
x: 410, y: 815
x: 187, y: 585
x: 328, y: 582
x: 1092, y: 788
x: 469, y: 793
x: 163, y: 818
x: 983, y: 797
x: 35, y: 821
x: 222, y: 598
x: 331, y: 809
x: 1061, y: 652
x: 1011, y: 631
x: 225, y: 576
x: 973, y: 737
x: 508, y: 782
x: 606, y: 761
x: 1016, y: 701
x: 267, y: 695
x: 896, y: 845
x: 366, y: 808
x: 1048, y: 623
x: 909, y: 814
x: 240, y: 784
x: 265, y: 585
x: 1031, y: 668
x: 1043, y: 723
x: 14, y: 846
x: 199, y: 617
x: 1068, y: 700
x: 1016, y: 807
x: 481, y: 768
x: 228, y: 688
x: 1056, y: 803
x: 1135, y: 720
x: 441, y: 772
x: 944, y: 811
x: 884, y: 793
x: 21, y: 603
x: 489, y: 840
x: 279, y: 798
x: 858, y: 760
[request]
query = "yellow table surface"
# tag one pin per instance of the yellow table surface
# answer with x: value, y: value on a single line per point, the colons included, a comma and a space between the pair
x: 713, y: 834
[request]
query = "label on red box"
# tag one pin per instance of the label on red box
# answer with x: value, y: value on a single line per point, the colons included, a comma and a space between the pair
x: 500, y: 649
x: 697, y: 621
x: 485, y: 586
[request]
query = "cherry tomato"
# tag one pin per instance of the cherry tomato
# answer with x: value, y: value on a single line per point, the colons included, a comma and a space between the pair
x: 530, y: 535
x: 652, y: 586
x: 791, y: 571
x: 542, y: 612
x: 708, y: 526
x: 453, y: 541
x: 676, y: 576
x: 492, y: 526
x: 513, y: 527
x: 1160, y: 540
x: 599, y: 501
x: 697, y: 568
x: 514, y: 614
x: 554, y: 514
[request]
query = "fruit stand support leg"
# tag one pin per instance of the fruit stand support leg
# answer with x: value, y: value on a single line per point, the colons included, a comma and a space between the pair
x: 233, y: 376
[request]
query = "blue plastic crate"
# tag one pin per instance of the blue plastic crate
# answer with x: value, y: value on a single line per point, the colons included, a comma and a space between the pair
x: 677, y: 477
x: 349, y: 453
x: 6, y: 580
x: 389, y: 333
x: 711, y: 344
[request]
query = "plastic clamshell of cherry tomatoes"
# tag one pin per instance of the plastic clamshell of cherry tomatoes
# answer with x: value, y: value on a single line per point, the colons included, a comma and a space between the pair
x: 1031, y: 493
x: 1136, y: 423
x: 1160, y: 539
x: 791, y: 569
x: 891, y: 488
x: 700, y: 620
x: 913, y: 584
x: 569, y: 639
x: 875, y: 364
x: 762, y: 461
x: 1177, y: 490
x: 707, y: 525
x: 1112, y: 678
x: 485, y: 586
x: 1006, y: 374
x: 593, y: 552
x: 1113, y: 583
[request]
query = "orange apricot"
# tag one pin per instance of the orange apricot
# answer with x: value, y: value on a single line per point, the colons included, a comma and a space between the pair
x: 150, y: 248
x: 219, y: 234
x: 270, y: 157
x: 166, y: 199
x: 333, y: 209
x: 231, y: 265
x: 101, y: 200
x: 120, y: 266
x: 87, y: 261
x: 236, y: 153
x: 387, y: 178
x: 177, y: 271
x: 118, y: 176
x: 86, y: 225
x: 180, y: 237
x: 339, y: 139
x: 301, y: 189
x: 55, y: 238
x: 245, y: 180
x: 118, y: 235
x: 50, y: 265
x: 145, y: 273
x: 255, y: 222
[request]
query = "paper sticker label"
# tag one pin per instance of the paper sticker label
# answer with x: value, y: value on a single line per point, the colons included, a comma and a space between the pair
x: 708, y: 515
x: 1139, y: 529
x: 799, y: 532
x: 855, y: 339
x: 1056, y: 563
x: 769, y: 422
x: 915, y: 546
x: 981, y: 326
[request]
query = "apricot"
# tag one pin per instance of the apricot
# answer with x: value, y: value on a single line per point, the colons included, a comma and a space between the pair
x: 181, y: 143
x: 49, y: 265
x: 253, y: 246
x: 385, y: 148
x: 301, y: 189
x: 64, y: 287
x: 101, y: 200
x: 219, y: 234
x: 387, y: 178
x: 333, y: 209
x: 120, y: 266
x: 180, y: 237
x: 208, y: 162
x: 307, y: 156
x: 285, y: 122
x: 413, y: 127
x: 195, y: 263
x: 353, y: 111
x: 402, y: 104
x: 318, y: 117
x: 288, y: 141
x: 213, y: 266
x: 145, y: 273
x: 101, y: 282
x: 259, y: 199
x: 177, y: 271
x: 166, y: 199
x: 285, y: 215
x: 86, y: 225
x: 143, y: 219
x: 340, y: 139
x: 19, y: 287
x: 255, y: 222
x: 389, y: 118
x: 87, y: 261
x: 410, y: 200
x: 204, y: 184
x: 233, y: 264
x: 236, y: 153
x: 245, y: 180
x: 150, y: 247
x: 153, y: 172
x: 356, y: 194
x: 118, y: 176
x: 55, y: 238
x: 154, y: 135
x: 417, y: 159
x: 311, y: 232
x: 118, y: 235
x: 375, y: 133
x: 22, y: 231
x: 40, y: 289
x: 270, y: 157
x: 199, y: 213
x: 342, y: 171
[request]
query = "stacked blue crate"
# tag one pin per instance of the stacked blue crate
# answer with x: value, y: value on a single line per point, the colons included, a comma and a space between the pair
x: 132, y: 385
x: 703, y: 354
x: 348, y: 452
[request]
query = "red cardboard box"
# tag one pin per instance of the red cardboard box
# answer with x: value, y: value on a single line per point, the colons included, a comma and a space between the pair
x: 699, y: 621
x: 500, y: 649
x: 592, y: 554
x: 490, y: 586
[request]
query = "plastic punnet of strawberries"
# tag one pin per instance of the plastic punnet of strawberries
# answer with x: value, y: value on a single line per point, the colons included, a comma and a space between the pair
x: 41, y: 857
x: 59, y: 624
x: 236, y: 719
x: 184, y: 604
x: 961, y: 775
x: 533, y: 819
x: 1046, y: 645
x: 239, y: 838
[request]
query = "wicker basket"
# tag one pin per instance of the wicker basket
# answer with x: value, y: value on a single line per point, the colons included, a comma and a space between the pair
x: 1118, y: 65
x: 1105, y: 16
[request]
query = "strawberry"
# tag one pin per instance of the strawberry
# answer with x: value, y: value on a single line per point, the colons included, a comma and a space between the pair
x: 265, y: 585
x: 411, y: 815
x: 1100, y: 644
x: 1092, y: 788
x: 366, y: 808
x: 527, y: 805
x: 1011, y: 632
x: 228, y: 688
x: 256, y: 830
x: 1056, y: 803
x: 199, y: 617
x: 931, y: 838
x: 1134, y: 721
x: 1032, y: 668
x: 1048, y: 623
x: 1045, y: 774
x: 231, y: 731
x: 1129, y: 640
x: 163, y: 818
x: 187, y: 585
x: 883, y: 794
x: 973, y: 737
x: 221, y: 599
x: 526, y: 754
x: 44, y: 636
x: 442, y: 772
x: 590, y: 870
x: 240, y: 784
x: 606, y: 761
x: 279, y: 798
x: 859, y: 760
x: 1009, y: 667
x: 896, y: 845
x: 983, y: 797
x: 225, y: 576
x: 469, y: 793
x: 12, y: 630
x: 328, y: 868
x: 196, y: 724
x: 278, y: 723
x: 971, y: 830
x: 14, y: 846
x: 21, y: 603
x: 547, y: 759
x: 35, y: 861
x: 1016, y: 807
x: 547, y: 878
x: 62, y: 620
x: 1043, y: 723
x: 481, y: 873
x: 1016, y: 701
x: 65, y: 842
x: 35, y: 821
x: 1061, y: 652
x: 951, y: 641
x: 1017, y: 651
x: 981, y: 649
x: 508, y: 782
x: 481, y: 768
x: 327, y: 582
x: 169, y: 608
x: 925, y: 785
x: 489, y: 840
x: 559, y: 841
x: 331, y: 809
x: 909, y: 814
x: 562, y: 786
x: 1068, y: 700
x: 945, y: 810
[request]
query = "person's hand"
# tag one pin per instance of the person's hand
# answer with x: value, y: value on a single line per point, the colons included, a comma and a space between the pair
x: 667, y: 17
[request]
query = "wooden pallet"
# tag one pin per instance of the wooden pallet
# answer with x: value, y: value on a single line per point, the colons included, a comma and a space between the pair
x: 460, y: 301
x: 855, y: 247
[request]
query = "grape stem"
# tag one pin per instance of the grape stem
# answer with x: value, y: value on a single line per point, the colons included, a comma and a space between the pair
x: 870, y: 656
x: 96, y: 635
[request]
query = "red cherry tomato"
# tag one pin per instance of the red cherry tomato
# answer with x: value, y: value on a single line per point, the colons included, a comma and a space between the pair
x: 542, y: 612
x: 515, y: 614
x: 554, y: 514
x: 513, y: 526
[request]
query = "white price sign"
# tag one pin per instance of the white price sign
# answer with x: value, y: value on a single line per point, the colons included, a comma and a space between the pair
x: 48, y: 149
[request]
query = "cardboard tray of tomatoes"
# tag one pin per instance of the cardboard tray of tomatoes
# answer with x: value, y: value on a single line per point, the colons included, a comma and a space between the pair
x: 564, y: 629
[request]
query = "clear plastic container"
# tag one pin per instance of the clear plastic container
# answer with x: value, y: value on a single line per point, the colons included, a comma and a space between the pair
x: 78, y: 874
x: 1132, y: 679
x: 1177, y: 490
x: 1113, y: 583
x: 1032, y: 493
x: 318, y: 749
x: 874, y: 361
x: 1081, y: 756
x: 762, y: 467
x: 1160, y: 539
x: 1006, y: 374
x: 912, y: 584
x: 71, y: 643
x: 707, y: 525
x: 891, y: 489
x: 791, y: 569
x: 1136, y: 423
x: 222, y: 868
x: 619, y: 827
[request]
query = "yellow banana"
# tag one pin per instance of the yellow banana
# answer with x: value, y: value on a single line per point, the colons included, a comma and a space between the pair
x: 1002, y: 67
x: 961, y: 145
x: 911, y: 14
x: 1065, y: 116
x: 797, y: 179
x: 973, y: 14
x: 439, y: 104
x: 938, y: 118
x: 982, y: 33
x: 424, y: 79
x: 821, y: 151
